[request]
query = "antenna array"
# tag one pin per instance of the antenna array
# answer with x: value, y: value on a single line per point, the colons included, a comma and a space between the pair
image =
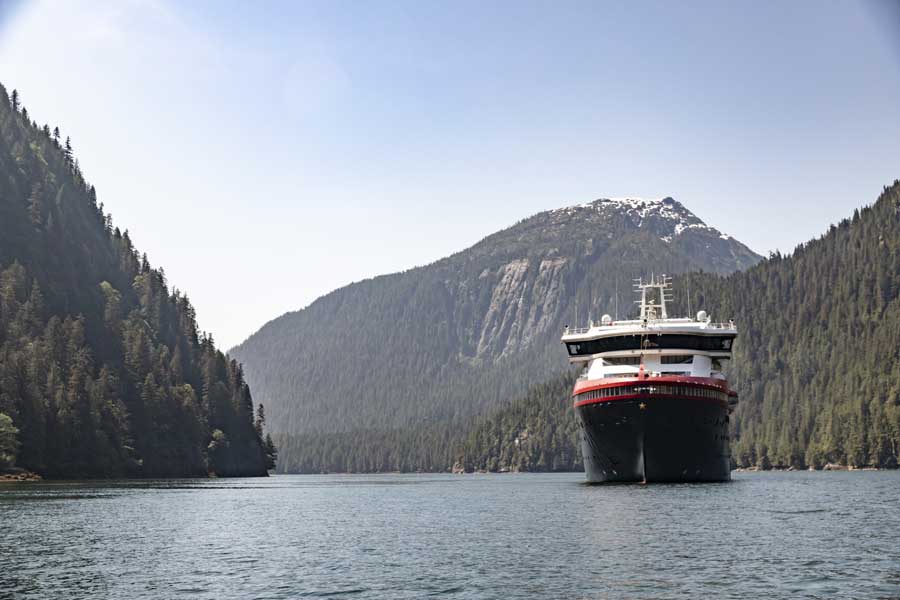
x: 654, y: 296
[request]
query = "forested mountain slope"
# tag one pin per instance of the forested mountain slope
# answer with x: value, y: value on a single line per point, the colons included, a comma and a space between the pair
x: 816, y: 364
x: 102, y: 370
x: 443, y: 342
x: 818, y: 360
x: 535, y: 432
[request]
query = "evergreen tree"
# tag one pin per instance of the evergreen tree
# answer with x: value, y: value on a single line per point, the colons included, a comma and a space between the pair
x: 35, y: 205
x: 9, y: 445
x: 271, y: 453
x: 260, y: 419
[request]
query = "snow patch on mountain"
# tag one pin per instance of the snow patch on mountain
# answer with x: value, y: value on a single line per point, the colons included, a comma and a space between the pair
x: 668, y: 216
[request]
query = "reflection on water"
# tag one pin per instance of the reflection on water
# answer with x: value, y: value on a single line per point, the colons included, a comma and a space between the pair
x: 474, y: 536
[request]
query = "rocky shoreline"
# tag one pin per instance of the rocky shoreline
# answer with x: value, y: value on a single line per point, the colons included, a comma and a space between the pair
x: 827, y: 467
x: 19, y: 475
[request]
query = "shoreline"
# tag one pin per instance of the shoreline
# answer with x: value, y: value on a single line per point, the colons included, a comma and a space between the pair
x: 518, y: 472
x: 21, y: 475
x: 17, y: 476
x: 827, y: 467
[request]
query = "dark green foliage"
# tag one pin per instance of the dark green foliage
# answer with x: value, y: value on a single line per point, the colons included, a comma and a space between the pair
x: 271, y: 452
x: 9, y: 443
x: 411, y: 449
x: 818, y: 360
x: 102, y: 369
x: 269, y: 445
x: 538, y: 432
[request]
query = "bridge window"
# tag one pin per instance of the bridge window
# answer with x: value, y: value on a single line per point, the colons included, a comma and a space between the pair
x: 709, y: 343
x: 677, y: 359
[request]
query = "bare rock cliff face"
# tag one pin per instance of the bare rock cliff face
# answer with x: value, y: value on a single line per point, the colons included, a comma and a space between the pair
x: 445, y: 341
x: 525, y: 301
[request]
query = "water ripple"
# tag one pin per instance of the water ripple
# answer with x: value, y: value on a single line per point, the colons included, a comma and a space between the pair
x: 813, y: 535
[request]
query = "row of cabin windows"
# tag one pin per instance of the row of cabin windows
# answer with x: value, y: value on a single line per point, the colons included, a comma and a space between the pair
x: 656, y: 390
x: 675, y: 359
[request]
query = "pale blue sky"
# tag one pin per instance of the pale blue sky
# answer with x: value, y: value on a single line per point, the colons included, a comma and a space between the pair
x: 266, y: 153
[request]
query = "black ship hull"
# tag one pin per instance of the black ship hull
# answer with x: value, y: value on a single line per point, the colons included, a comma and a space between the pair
x: 655, y: 439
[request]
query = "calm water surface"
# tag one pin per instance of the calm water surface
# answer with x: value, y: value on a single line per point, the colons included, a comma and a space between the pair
x: 812, y: 535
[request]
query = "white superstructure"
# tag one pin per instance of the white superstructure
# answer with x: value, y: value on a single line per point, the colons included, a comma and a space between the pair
x: 653, y: 345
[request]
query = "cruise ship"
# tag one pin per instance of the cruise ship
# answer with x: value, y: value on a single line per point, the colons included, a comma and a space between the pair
x: 652, y: 401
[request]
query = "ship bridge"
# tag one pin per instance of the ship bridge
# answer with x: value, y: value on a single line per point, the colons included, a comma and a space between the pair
x: 654, y: 343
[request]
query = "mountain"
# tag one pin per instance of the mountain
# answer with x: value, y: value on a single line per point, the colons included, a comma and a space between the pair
x: 816, y: 363
x: 102, y: 370
x: 444, y: 342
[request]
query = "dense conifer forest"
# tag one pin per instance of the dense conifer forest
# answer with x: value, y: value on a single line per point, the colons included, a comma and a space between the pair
x: 818, y: 361
x: 816, y: 364
x: 536, y: 432
x: 102, y: 369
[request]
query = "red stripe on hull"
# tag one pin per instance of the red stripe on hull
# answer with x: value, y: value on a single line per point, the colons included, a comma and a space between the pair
x: 650, y: 395
x: 702, y: 382
x: 684, y: 385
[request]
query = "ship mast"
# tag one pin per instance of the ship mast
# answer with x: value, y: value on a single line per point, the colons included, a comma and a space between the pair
x: 654, y: 295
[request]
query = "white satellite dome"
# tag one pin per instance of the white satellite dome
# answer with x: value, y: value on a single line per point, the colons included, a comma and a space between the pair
x: 702, y: 316
x: 605, y: 319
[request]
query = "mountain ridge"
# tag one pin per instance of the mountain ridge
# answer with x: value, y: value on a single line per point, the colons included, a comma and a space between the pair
x: 638, y: 208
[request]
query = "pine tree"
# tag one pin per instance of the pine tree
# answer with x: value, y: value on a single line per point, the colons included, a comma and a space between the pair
x: 271, y: 453
x: 9, y: 445
x: 260, y: 420
x: 35, y: 205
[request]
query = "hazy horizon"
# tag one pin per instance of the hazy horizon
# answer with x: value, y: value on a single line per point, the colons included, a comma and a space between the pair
x: 306, y: 146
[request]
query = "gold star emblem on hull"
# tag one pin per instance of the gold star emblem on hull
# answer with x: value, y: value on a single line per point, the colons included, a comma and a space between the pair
x: 642, y: 405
